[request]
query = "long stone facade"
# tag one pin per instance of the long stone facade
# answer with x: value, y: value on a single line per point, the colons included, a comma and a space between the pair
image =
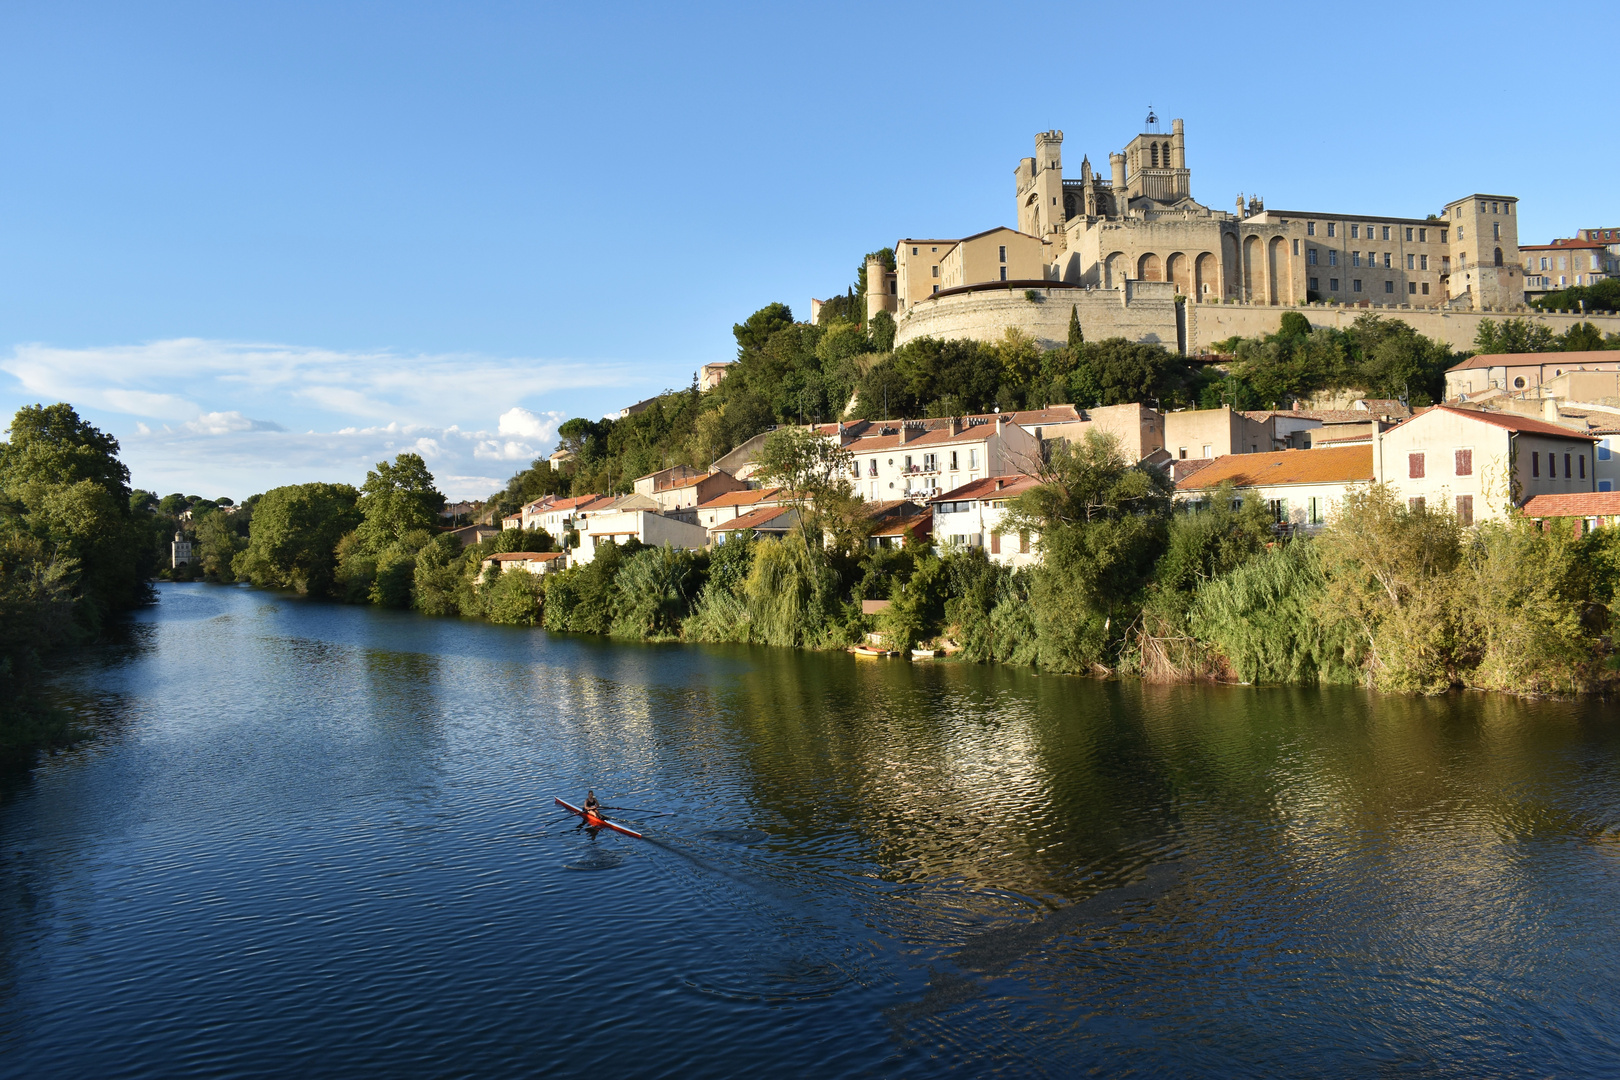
x: 1209, y: 323
x: 1144, y: 311
x: 1118, y: 241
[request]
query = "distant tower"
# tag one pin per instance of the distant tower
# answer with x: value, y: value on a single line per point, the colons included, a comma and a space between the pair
x: 1040, y: 189
x: 1484, y: 251
x: 882, y: 287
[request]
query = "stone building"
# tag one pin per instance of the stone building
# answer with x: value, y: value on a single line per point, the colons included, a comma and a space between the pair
x: 1139, y: 226
x: 1562, y: 264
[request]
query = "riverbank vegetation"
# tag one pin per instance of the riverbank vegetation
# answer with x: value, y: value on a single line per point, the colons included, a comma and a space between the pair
x: 75, y: 551
x: 1387, y: 596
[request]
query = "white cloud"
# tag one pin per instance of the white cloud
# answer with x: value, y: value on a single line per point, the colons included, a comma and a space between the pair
x: 220, y: 423
x: 233, y: 418
x: 525, y: 424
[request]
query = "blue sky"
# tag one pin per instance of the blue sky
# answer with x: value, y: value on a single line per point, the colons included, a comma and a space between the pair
x: 272, y: 243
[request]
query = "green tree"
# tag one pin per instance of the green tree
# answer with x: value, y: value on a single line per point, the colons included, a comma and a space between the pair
x: 812, y: 468
x: 1077, y: 336
x: 396, y: 499
x: 1582, y: 337
x: 882, y: 329
x: 754, y: 332
x: 1514, y: 336
x: 293, y: 541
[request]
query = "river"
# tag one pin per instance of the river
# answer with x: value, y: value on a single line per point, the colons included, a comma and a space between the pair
x: 320, y: 840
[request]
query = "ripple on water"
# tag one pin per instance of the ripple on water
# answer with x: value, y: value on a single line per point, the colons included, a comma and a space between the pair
x: 735, y: 836
x: 596, y: 859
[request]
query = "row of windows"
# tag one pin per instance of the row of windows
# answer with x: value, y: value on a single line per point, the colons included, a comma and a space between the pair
x: 1465, y: 507
x: 930, y: 463
x: 1414, y: 288
x: 1563, y: 263
x: 1421, y: 235
x: 1413, y: 262
x: 1485, y: 207
x: 1462, y: 464
x: 1552, y: 465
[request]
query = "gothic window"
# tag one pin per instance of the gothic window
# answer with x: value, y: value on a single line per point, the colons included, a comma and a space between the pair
x: 1498, y: 260
x: 1154, y: 147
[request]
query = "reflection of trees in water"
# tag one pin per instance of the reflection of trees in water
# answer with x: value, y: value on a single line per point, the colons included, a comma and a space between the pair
x: 950, y: 775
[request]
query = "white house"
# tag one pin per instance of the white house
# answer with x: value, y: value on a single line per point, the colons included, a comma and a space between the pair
x: 1483, y: 464
x: 971, y: 516
x: 1301, y: 487
x: 634, y: 516
x: 912, y: 460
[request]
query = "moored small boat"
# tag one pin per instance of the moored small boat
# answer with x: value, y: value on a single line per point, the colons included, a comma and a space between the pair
x: 869, y: 650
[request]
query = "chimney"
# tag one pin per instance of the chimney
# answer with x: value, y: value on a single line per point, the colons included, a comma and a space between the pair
x: 1549, y: 410
x: 905, y: 432
x: 956, y: 425
x: 1001, y: 422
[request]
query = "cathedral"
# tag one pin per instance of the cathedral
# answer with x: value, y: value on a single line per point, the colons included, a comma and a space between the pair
x: 1140, y: 223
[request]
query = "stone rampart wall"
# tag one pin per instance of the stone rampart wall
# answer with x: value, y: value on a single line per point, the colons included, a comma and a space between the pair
x: 1144, y: 312
x: 1209, y: 323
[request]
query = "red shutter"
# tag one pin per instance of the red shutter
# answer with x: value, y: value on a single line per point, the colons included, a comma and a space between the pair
x: 1465, y: 463
x: 995, y: 543
x: 1414, y: 466
x: 1465, y: 509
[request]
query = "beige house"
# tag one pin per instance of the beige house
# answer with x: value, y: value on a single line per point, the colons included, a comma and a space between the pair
x: 1300, y: 487
x: 1139, y: 429
x: 535, y: 562
x: 1517, y: 372
x: 1482, y: 464
x: 1563, y: 264
x: 1212, y: 433
x: 678, y: 491
x: 971, y: 516
x: 712, y: 374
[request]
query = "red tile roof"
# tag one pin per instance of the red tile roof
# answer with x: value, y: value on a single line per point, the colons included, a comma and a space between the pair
x: 1565, y: 360
x: 1574, y: 504
x: 1333, y: 465
x: 741, y: 498
x: 1513, y: 422
x: 1011, y: 487
x: 690, y: 481
x: 573, y: 503
x: 916, y: 525
x: 756, y: 519
x: 526, y: 556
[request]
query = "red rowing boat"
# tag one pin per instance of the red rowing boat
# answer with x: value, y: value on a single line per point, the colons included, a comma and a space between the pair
x: 597, y: 821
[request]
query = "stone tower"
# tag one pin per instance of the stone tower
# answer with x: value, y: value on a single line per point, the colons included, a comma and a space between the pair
x: 1485, y: 244
x: 1040, y: 188
x: 882, y: 288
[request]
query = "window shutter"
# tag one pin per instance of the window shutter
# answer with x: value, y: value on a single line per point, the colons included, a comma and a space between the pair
x: 995, y: 543
x: 1465, y: 463
x: 1414, y: 466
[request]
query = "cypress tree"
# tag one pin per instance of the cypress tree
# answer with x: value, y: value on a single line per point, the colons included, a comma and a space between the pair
x: 1076, y: 337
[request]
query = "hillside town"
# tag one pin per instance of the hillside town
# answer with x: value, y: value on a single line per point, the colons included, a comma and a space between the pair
x: 1532, y: 434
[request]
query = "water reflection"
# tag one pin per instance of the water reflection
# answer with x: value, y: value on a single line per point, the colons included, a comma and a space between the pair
x: 317, y: 837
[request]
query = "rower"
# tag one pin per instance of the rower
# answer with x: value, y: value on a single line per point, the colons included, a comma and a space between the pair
x: 591, y: 805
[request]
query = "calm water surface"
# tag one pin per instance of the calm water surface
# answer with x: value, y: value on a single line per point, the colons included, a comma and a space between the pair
x: 320, y: 840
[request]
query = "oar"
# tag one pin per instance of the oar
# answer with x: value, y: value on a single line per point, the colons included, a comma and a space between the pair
x: 633, y: 810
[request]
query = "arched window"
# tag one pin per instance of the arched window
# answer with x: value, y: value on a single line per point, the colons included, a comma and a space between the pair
x: 1154, y: 149
x: 1498, y: 256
